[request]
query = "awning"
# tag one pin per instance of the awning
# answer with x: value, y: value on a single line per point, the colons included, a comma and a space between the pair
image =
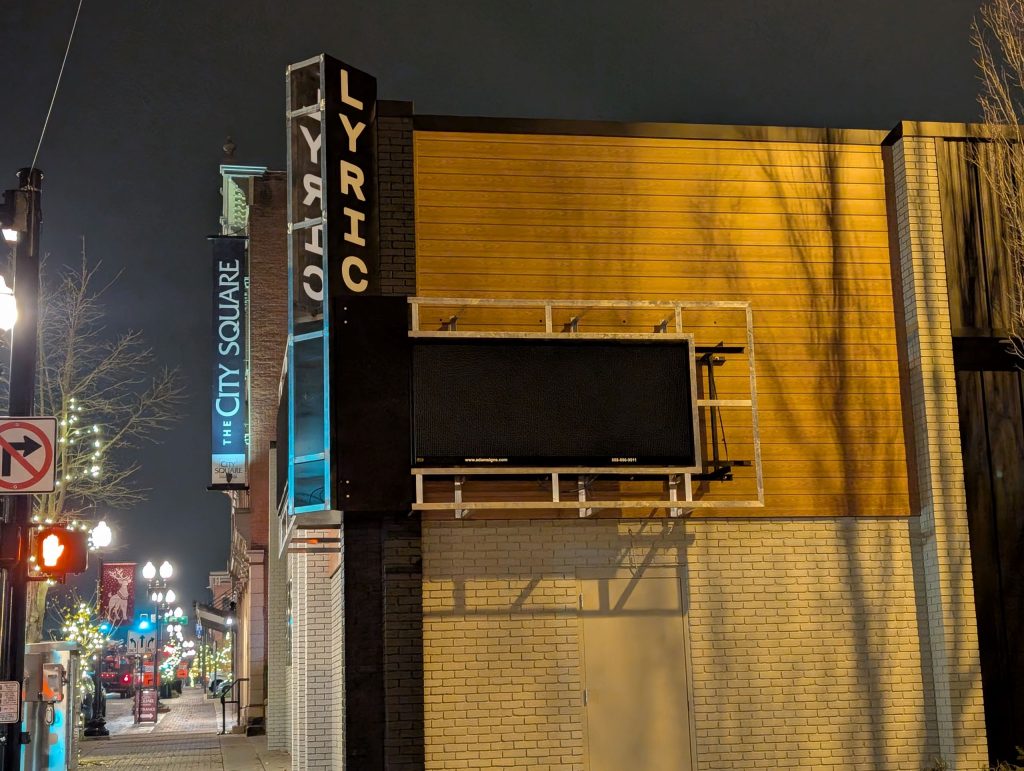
x: 213, y: 618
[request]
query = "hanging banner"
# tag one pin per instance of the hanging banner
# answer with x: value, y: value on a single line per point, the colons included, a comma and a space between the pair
x: 332, y: 250
x: 228, y: 413
x: 117, y: 592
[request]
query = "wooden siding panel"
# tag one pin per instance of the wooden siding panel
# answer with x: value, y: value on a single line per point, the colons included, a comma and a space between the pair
x: 797, y: 229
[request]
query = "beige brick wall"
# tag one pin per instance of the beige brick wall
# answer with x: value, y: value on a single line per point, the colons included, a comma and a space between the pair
x: 335, y: 645
x: 297, y: 674
x: 804, y: 640
x: 316, y: 683
x: 942, y: 527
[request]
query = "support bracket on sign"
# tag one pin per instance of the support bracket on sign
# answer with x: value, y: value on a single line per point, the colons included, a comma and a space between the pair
x: 460, y: 513
x: 674, y: 481
x: 582, y: 483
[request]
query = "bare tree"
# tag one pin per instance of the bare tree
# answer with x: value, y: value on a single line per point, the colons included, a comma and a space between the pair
x: 108, y: 396
x: 998, y: 37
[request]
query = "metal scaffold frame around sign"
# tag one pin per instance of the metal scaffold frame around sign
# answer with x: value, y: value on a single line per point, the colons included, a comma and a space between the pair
x: 678, y: 498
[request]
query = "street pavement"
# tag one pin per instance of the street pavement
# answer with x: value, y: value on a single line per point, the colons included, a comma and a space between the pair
x: 184, y: 739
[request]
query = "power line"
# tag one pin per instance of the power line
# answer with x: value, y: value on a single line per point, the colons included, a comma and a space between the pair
x: 60, y: 74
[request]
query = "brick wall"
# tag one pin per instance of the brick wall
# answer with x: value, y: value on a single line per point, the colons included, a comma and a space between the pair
x: 267, y: 314
x: 804, y: 640
x: 278, y: 686
x: 395, y: 198
x: 337, y: 652
x: 403, y: 645
x: 268, y: 333
x: 253, y: 708
x: 299, y: 717
x: 942, y: 527
x: 315, y: 683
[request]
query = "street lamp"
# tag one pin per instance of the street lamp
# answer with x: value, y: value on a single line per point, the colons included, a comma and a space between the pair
x: 20, y: 217
x: 101, y: 534
x: 162, y: 598
x: 100, y: 537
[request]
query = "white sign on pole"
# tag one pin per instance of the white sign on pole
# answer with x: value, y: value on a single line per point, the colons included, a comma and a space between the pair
x: 26, y: 455
x: 10, y: 701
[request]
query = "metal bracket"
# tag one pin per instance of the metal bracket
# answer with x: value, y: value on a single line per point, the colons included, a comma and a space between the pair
x: 673, y: 494
x: 460, y: 513
x: 581, y: 484
x: 572, y: 325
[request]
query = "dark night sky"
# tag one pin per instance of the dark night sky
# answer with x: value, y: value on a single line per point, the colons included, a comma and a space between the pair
x: 152, y: 89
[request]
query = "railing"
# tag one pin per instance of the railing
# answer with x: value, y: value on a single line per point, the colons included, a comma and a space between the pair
x: 229, y: 687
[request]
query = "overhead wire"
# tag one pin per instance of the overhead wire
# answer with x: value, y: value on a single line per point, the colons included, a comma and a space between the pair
x: 56, y: 87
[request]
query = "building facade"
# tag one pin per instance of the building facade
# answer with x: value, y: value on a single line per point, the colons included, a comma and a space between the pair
x: 253, y: 211
x: 807, y: 599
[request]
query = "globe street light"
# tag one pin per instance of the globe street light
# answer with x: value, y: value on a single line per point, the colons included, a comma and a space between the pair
x: 101, y: 534
x: 100, y: 538
x: 161, y: 596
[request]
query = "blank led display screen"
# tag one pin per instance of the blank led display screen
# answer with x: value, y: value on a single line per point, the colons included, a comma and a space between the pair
x: 516, y: 402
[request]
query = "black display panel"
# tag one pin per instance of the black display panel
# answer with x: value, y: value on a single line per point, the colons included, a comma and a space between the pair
x: 521, y: 402
x: 370, y: 398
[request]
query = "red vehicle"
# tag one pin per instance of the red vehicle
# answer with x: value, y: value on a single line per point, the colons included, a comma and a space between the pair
x: 116, y: 673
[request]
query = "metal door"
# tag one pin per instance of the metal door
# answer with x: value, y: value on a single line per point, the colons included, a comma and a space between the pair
x: 635, y: 674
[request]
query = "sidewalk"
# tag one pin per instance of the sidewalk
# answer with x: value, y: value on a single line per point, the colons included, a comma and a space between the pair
x: 191, y: 712
x: 184, y: 739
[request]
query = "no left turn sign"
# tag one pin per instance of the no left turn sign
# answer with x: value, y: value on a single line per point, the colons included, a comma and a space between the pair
x: 26, y: 455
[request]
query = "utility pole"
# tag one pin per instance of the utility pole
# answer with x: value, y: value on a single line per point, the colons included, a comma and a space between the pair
x: 18, y: 508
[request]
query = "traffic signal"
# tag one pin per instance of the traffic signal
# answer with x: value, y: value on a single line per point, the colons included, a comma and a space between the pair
x: 58, y: 551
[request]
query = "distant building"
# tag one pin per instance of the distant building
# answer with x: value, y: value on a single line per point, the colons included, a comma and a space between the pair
x: 254, y: 212
x: 803, y: 597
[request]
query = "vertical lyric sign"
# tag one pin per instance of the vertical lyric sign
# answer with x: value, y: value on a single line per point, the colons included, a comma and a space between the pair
x: 351, y: 179
x: 228, y: 413
x: 332, y: 249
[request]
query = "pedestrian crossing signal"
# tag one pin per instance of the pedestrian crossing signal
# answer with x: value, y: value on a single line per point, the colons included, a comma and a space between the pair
x: 58, y: 551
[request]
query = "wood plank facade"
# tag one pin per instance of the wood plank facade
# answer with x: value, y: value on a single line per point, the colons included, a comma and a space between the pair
x: 797, y: 228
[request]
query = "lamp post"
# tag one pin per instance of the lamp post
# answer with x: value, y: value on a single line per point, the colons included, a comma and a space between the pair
x: 100, y: 538
x: 20, y: 217
x: 162, y: 597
